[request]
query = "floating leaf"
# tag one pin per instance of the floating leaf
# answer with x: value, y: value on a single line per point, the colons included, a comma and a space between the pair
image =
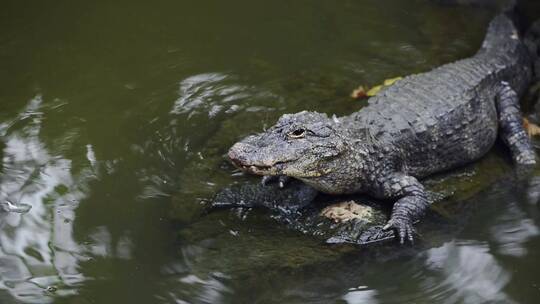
x: 361, y: 92
x: 531, y: 128
x: 389, y: 82
x: 346, y: 211
x: 373, y: 91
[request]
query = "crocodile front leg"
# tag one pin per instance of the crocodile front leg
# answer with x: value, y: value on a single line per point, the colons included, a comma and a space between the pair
x: 511, y: 126
x: 291, y: 199
x: 411, y: 204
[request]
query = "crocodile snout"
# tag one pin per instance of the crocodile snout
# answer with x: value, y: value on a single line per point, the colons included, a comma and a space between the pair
x: 238, y: 153
x: 251, y: 158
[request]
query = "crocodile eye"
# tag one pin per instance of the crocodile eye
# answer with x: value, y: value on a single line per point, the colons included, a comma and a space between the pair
x: 298, y: 133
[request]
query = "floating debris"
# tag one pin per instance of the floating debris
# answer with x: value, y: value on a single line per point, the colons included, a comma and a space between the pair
x: 346, y: 211
x: 51, y: 289
x: 361, y: 91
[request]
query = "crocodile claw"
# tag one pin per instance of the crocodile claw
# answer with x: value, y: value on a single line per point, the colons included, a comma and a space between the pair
x: 526, y: 158
x: 403, y: 227
x: 375, y: 234
x: 372, y: 235
x: 281, y: 179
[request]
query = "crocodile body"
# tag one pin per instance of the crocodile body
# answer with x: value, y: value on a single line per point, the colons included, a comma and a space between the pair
x: 423, y: 124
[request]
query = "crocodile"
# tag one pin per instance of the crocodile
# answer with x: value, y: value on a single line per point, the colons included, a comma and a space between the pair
x: 423, y: 124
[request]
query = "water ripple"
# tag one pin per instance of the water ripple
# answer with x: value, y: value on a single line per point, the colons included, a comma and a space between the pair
x: 38, y: 256
x: 470, y: 274
x: 210, y: 93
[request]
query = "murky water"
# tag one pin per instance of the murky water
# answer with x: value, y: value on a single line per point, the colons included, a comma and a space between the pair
x: 114, y: 122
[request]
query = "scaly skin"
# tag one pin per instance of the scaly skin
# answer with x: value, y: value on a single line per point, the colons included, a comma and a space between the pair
x: 422, y: 124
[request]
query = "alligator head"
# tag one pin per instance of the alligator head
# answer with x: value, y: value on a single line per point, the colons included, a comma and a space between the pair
x: 305, y: 145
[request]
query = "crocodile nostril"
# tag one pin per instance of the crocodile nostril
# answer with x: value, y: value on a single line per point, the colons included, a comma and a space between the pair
x: 233, y: 154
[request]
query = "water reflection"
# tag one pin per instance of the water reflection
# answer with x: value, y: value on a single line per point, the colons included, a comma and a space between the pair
x: 102, y: 245
x: 38, y: 255
x: 8, y: 206
x: 513, y: 230
x: 361, y: 295
x: 210, y: 290
x: 470, y: 274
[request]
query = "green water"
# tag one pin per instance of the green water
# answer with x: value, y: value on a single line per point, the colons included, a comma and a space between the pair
x: 114, y: 122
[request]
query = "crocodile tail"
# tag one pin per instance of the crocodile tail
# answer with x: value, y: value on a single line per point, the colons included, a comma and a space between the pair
x: 501, y: 35
x: 509, y: 8
x: 531, y: 38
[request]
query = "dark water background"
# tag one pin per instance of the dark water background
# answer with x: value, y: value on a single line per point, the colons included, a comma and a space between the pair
x: 115, y: 118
